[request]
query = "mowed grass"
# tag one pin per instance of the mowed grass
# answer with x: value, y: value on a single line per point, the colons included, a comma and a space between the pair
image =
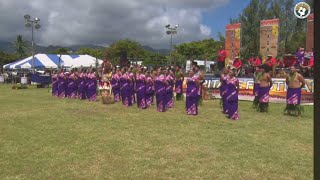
x: 42, y: 137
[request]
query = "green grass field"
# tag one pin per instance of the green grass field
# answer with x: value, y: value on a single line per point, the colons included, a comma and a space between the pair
x: 42, y: 137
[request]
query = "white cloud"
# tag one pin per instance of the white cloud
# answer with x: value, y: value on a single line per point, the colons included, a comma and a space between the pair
x: 103, y: 22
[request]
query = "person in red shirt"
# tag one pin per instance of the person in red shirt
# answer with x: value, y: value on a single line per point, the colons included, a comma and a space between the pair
x: 307, y: 65
x: 289, y: 60
x: 280, y: 63
x: 250, y: 60
x: 221, y: 58
x: 272, y: 63
x: 237, y: 64
x: 280, y: 68
x: 311, y: 65
x: 256, y: 61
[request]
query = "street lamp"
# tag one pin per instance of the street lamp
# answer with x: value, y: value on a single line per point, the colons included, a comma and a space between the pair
x: 171, y: 31
x: 33, y: 24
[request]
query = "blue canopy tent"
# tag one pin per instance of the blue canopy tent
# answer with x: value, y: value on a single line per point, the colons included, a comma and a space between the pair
x: 42, y: 61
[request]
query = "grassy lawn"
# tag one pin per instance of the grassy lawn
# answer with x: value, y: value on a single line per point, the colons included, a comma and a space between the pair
x: 42, y: 137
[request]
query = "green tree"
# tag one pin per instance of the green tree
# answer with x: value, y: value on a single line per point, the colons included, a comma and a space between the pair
x: 6, y: 58
x: 132, y: 48
x: 98, y: 53
x: 20, y: 46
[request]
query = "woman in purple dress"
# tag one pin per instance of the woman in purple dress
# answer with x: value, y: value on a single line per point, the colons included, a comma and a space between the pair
x: 55, y: 82
x: 72, y: 86
x: 169, y: 89
x: 141, y: 89
x: 223, y: 90
x: 115, y: 83
x: 131, y: 85
x: 125, y: 89
x: 192, y: 94
x: 149, y: 89
x: 92, y: 86
x: 160, y: 89
x: 232, y: 95
x: 179, y: 78
x: 82, y: 85
x: 62, y: 84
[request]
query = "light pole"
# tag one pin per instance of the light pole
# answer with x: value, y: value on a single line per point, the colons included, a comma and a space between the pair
x: 171, y: 32
x: 32, y: 23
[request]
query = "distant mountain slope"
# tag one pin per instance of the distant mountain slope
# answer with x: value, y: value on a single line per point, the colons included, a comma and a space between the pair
x: 7, y: 47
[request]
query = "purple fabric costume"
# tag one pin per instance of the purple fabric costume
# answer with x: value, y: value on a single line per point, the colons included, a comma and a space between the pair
x: 131, y: 88
x: 169, y: 90
x: 55, y: 82
x: 124, y: 89
x: 192, y: 96
x: 61, y: 85
x: 115, y: 83
x: 294, y: 96
x: 141, y: 91
x: 223, y: 92
x: 178, y: 87
x: 232, y: 98
x: 149, y: 91
x: 72, y: 87
x: 160, y: 88
x: 256, y: 89
x: 82, y: 86
x: 91, y: 87
x: 263, y: 94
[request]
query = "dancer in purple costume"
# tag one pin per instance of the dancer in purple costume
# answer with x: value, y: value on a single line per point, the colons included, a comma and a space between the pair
x: 92, y: 86
x: 232, y: 86
x: 265, y: 85
x: 179, y: 77
x: 124, y: 89
x: 141, y: 89
x: 82, y: 84
x: 160, y: 88
x: 192, y: 98
x: 223, y: 89
x: 169, y: 89
x: 72, y: 86
x: 62, y: 84
x: 115, y: 83
x: 55, y: 82
x: 131, y: 85
x: 256, y: 78
x: 149, y: 89
x: 295, y: 82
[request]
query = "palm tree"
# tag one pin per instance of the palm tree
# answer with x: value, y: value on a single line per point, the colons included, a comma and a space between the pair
x: 20, y: 46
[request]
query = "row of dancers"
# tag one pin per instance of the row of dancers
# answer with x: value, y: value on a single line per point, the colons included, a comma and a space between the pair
x: 139, y: 86
x: 75, y: 85
x: 132, y: 86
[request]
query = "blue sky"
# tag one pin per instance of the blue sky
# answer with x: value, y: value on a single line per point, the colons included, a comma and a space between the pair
x: 219, y: 18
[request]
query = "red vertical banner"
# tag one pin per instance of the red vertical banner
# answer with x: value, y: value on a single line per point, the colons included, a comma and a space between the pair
x: 310, y: 31
x: 232, y: 42
x: 269, y: 33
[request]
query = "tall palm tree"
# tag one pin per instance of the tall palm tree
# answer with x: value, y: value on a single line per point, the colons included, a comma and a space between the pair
x: 20, y: 46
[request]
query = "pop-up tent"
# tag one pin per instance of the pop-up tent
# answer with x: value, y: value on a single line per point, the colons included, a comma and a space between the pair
x: 42, y: 61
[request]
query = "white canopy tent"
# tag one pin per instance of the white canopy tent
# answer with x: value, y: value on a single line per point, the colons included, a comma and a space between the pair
x: 42, y: 61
